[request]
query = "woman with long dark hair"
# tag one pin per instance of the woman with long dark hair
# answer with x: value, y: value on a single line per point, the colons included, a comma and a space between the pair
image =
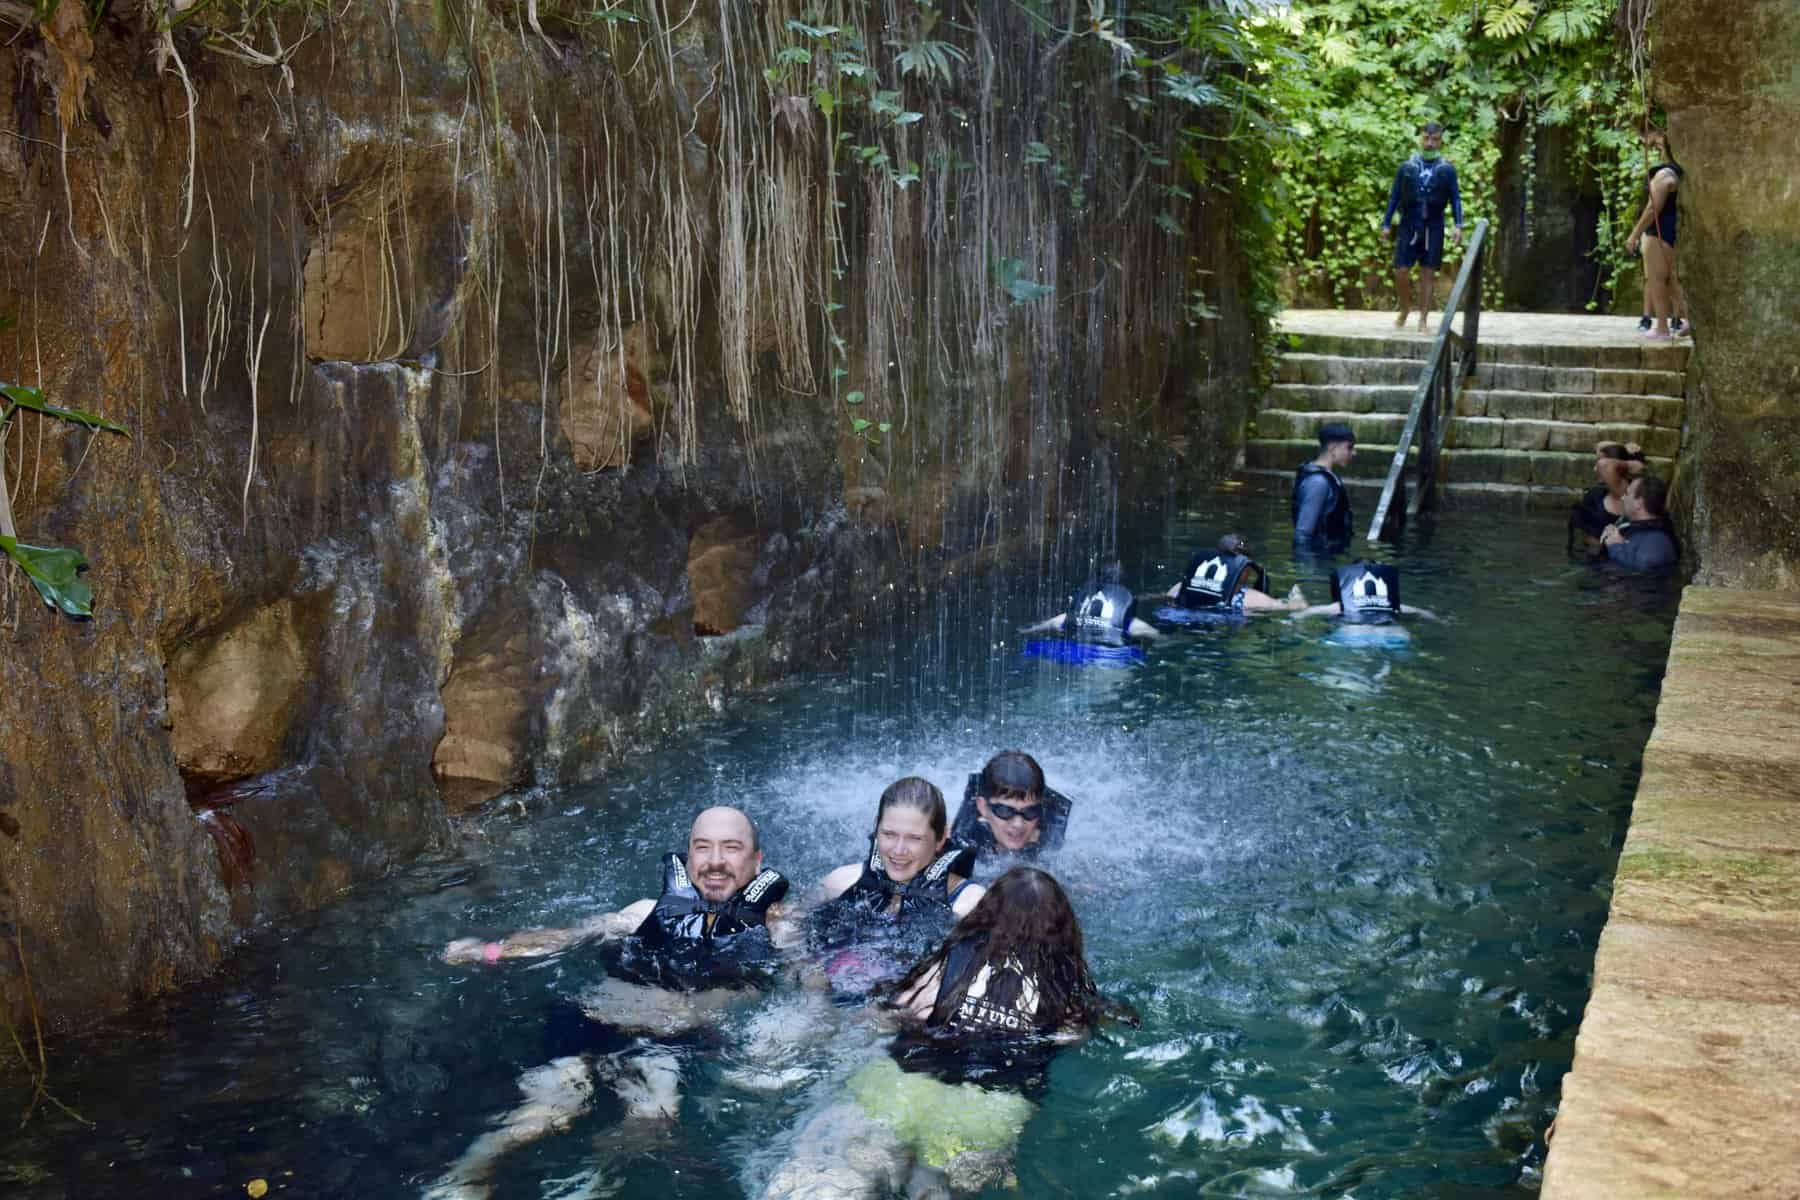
x: 1014, y: 967
x: 982, y: 1013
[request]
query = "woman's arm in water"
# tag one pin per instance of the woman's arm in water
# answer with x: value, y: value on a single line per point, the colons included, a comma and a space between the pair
x: 535, y: 943
x: 1409, y: 611
x: 1047, y: 625
x: 838, y: 882
x: 918, y: 1002
x: 967, y: 898
x: 1319, y: 610
x: 1142, y: 629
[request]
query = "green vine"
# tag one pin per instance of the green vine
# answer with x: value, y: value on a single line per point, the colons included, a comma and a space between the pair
x: 1356, y: 78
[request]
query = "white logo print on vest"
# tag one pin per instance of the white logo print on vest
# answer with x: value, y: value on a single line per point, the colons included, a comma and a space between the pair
x: 1369, y: 592
x: 1098, y: 611
x: 1209, y: 577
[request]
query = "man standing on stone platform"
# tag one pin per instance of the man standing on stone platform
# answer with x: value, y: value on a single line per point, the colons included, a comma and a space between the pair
x: 1423, y: 187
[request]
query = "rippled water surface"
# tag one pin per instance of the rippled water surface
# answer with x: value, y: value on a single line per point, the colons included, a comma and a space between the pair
x: 1354, y: 891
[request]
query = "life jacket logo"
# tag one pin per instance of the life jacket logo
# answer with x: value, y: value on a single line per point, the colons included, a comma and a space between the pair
x: 681, y: 876
x: 977, y: 1009
x: 1209, y: 577
x: 1369, y: 591
x: 1098, y: 611
x: 759, y: 885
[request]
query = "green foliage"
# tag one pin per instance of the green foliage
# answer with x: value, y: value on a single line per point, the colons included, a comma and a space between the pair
x: 1353, y: 80
x: 54, y: 570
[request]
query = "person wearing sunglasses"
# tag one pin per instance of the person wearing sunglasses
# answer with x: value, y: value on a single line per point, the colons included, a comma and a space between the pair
x: 1219, y: 581
x: 1009, y: 809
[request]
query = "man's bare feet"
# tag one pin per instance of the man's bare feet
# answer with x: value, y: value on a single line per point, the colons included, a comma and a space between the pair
x: 1400, y: 321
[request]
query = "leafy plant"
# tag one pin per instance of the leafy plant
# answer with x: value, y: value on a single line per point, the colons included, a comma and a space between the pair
x: 53, y: 570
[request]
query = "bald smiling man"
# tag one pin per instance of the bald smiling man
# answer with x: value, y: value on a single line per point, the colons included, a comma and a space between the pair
x: 675, y: 963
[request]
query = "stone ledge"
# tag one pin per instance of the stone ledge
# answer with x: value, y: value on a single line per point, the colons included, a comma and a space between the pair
x: 1686, y: 1081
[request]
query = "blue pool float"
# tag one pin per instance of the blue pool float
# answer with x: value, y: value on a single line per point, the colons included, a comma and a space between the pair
x: 1064, y: 650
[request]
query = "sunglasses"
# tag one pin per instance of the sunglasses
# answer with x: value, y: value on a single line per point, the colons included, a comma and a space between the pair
x: 1006, y: 812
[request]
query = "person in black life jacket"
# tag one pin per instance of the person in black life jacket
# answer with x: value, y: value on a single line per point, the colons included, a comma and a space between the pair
x: 981, y: 1016
x: 908, y: 891
x: 1644, y: 539
x: 1101, y: 610
x: 1365, y: 593
x: 1615, y: 466
x: 687, y: 954
x: 1321, y: 505
x: 1219, y: 580
x: 1007, y: 808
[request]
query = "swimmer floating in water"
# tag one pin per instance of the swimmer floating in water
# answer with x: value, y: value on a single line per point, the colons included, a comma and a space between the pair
x: 1007, y: 808
x: 1101, y: 610
x: 681, y: 959
x: 1219, y: 581
x: 1365, y: 593
x: 907, y: 891
x: 983, y: 1014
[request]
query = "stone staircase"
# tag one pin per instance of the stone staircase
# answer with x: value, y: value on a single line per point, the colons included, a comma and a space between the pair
x: 1526, y: 423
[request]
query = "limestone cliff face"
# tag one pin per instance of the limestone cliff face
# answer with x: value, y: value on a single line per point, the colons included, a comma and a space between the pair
x: 1725, y: 73
x: 477, y: 380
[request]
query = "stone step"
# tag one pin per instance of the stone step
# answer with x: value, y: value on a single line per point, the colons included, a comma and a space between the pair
x: 1341, y: 369
x: 1556, y: 468
x: 1365, y: 494
x: 1340, y: 398
x: 1473, y: 433
x: 1663, y: 412
x: 1645, y: 356
x: 1578, y: 381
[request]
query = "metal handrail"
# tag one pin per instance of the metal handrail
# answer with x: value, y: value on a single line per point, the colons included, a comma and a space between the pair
x: 1434, y: 403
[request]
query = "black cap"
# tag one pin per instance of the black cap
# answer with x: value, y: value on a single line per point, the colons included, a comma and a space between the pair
x: 1335, y: 431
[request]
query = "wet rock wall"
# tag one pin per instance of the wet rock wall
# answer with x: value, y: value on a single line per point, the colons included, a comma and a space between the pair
x: 1725, y: 75
x: 486, y: 389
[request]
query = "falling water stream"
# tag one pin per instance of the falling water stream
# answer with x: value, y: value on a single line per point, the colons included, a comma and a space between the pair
x: 1353, y: 891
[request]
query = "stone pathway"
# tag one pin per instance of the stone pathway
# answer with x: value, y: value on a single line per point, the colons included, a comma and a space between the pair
x: 1686, y: 1080
x: 1544, y: 329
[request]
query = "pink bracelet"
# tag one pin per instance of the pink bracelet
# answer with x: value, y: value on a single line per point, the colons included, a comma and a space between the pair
x: 491, y: 952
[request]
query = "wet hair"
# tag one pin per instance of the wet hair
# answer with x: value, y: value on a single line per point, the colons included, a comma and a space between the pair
x: 1432, y: 127
x: 1231, y: 543
x: 1111, y: 570
x: 1616, y: 473
x: 919, y: 794
x: 1618, y: 450
x: 1332, y: 432
x: 1012, y: 773
x: 1653, y: 494
x: 1025, y: 917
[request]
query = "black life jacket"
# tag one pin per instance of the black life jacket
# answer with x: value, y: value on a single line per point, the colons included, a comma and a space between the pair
x: 1214, y: 579
x: 1589, y: 514
x: 992, y: 1038
x: 970, y: 830
x: 689, y: 942
x: 1001, y: 1000
x: 1369, y: 592
x: 1103, y: 612
x: 1339, y: 523
x: 861, y: 913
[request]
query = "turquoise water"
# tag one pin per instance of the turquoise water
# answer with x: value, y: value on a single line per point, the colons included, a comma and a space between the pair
x: 1354, y: 892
